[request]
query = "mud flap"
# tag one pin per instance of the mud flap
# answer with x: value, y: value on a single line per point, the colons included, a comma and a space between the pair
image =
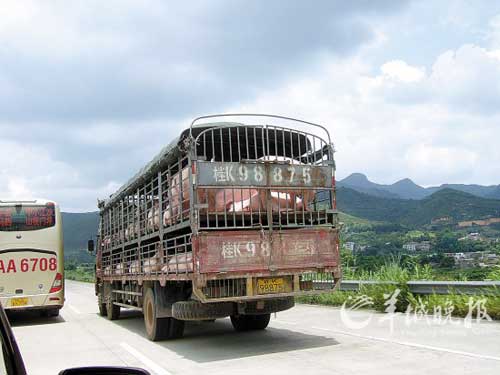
x: 165, y: 297
x: 266, y: 306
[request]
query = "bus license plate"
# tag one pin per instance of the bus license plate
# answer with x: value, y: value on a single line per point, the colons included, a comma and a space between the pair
x: 14, y: 302
x: 271, y: 285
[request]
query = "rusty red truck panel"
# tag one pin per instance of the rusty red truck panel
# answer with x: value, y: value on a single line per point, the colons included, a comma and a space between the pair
x: 254, y: 251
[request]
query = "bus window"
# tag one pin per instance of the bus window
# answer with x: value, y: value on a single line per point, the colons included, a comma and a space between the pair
x: 21, y: 217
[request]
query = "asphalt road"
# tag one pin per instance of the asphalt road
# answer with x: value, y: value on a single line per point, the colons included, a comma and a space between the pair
x: 305, y: 339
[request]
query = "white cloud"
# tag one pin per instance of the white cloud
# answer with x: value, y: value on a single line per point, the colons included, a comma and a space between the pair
x: 467, y: 79
x: 29, y: 171
x: 433, y: 162
x: 400, y: 70
x: 436, y: 138
x: 493, y: 33
x: 17, y: 188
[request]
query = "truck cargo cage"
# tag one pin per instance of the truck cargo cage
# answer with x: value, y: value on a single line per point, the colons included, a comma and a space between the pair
x: 217, y: 176
x: 262, y: 175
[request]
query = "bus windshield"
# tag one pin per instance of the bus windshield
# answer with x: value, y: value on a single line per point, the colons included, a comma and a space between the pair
x: 22, y: 217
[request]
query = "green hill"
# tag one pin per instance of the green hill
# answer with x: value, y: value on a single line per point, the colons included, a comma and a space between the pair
x: 407, y: 189
x: 456, y: 204
x: 353, y: 220
x: 78, y: 228
x: 443, y: 203
x: 370, y: 207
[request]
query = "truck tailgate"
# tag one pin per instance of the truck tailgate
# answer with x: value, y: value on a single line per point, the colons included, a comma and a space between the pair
x: 260, y: 251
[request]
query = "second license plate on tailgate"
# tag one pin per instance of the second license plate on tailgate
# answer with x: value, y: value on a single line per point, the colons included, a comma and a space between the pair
x: 272, y: 285
x: 23, y: 301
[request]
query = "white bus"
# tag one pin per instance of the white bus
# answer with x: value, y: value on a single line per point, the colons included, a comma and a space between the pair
x: 31, y: 256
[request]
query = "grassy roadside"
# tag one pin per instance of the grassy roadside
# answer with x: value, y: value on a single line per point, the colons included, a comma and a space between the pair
x: 84, y: 272
x: 454, y: 304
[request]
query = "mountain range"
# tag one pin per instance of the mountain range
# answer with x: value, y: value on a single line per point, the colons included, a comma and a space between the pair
x: 407, y: 189
x: 447, y: 203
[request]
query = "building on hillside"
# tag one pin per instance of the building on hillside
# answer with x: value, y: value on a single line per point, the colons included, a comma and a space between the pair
x: 424, y: 246
x: 350, y: 245
x: 417, y: 246
x: 475, y: 236
x: 410, y: 246
x: 474, y: 259
x: 491, y: 259
x: 442, y: 220
x: 361, y: 248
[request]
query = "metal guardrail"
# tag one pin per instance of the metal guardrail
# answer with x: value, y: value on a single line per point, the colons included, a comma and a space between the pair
x: 426, y: 287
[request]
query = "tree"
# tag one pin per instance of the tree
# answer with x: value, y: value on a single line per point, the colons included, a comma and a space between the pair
x: 447, y: 241
x: 446, y: 262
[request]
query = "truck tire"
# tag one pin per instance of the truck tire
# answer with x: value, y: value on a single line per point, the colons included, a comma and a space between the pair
x: 112, y: 310
x: 102, y: 306
x: 102, y: 309
x: 156, y: 328
x: 250, y: 322
x: 194, y: 310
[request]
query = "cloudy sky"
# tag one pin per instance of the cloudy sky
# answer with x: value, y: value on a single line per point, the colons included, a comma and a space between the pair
x: 91, y: 90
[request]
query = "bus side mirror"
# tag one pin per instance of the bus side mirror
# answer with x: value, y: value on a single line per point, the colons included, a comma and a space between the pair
x: 90, y: 246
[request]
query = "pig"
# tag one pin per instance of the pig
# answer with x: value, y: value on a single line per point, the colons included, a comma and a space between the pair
x: 177, y: 207
x: 153, y: 217
x: 135, y: 266
x: 154, y: 263
x: 179, y: 263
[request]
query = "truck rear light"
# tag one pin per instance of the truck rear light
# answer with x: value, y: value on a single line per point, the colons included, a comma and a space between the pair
x: 57, y: 284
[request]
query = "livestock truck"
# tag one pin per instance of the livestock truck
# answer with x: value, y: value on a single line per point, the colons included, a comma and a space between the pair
x: 231, y: 219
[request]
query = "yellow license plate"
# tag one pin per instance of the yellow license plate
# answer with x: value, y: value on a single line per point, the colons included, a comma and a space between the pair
x: 272, y: 285
x: 19, y: 301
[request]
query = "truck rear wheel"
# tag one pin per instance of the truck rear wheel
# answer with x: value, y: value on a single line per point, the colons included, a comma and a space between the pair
x: 112, y: 310
x: 159, y: 328
x: 156, y: 328
x: 250, y: 322
x: 102, y: 306
x: 102, y: 309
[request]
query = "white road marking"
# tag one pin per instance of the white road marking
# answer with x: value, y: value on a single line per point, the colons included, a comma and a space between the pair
x: 411, y: 344
x: 74, y: 309
x: 157, y: 369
